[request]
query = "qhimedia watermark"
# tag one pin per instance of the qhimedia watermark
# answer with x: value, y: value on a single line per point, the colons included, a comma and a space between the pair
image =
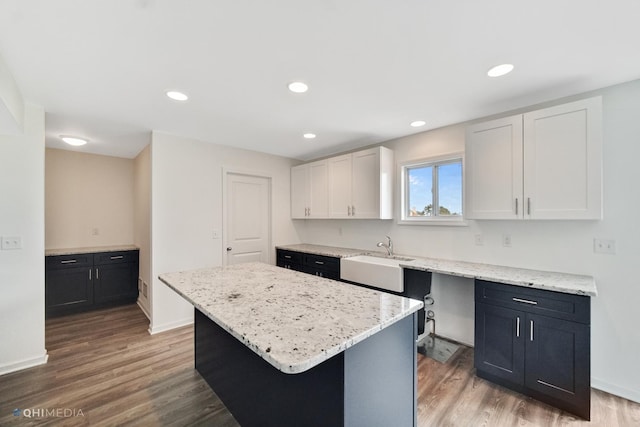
x: 48, y: 412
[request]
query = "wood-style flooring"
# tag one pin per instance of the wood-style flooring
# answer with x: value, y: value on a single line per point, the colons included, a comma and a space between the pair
x: 106, y: 365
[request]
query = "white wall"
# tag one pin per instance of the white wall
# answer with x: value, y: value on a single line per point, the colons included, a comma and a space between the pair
x: 22, y: 271
x: 142, y: 222
x: 187, y: 208
x: 565, y: 246
x: 87, y: 193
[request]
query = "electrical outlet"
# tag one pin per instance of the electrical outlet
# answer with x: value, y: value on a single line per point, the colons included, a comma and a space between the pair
x: 604, y: 246
x: 479, y: 240
x: 506, y: 240
x: 10, y: 243
x: 216, y: 234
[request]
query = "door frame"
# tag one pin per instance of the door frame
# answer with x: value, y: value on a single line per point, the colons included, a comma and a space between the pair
x: 226, y: 171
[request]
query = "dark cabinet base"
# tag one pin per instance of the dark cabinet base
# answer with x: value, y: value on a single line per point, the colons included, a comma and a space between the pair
x: 80, y: 282
x: 371, y: 383
x: 536, y: 342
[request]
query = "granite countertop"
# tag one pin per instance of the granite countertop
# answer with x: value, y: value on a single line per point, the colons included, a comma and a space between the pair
x: 324, y: 250
x: 552, y: 281
x: 538, y: 279
x: 88, y: 250
x: 292, y: 320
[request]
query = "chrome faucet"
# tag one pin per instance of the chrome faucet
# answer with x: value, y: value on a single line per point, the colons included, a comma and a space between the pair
x: 388, y: 246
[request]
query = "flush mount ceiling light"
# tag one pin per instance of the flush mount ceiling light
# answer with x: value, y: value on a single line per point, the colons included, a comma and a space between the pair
x: 418, y: 123
x: 298, y: 87
x: 500, y: 70
x: 309, y: 135
x: 177, y: 96
x: 73, y: 140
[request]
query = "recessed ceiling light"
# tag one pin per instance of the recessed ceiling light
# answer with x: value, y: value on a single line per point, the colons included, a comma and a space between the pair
x: 500, y: 70
x: 177, y: 96
x: 309, y: 135
x: 298, y: 87
x: 73, y: 140
x: 418, y: 123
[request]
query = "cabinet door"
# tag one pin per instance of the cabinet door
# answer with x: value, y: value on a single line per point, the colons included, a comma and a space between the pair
x: 558, y: 361
x: 115, y: 282
x: 499, y: 342
x: 299, y: 191
x: 68, y: 289
x: 318, y: 202
x: 563, y: 161
x: 493, y: 169
x: 365, y: 189
x: 340, y: 186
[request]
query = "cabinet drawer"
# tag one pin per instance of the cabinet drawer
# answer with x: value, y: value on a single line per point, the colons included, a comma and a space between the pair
x: 103, y: 258
x: 59, y: 262
x: 289, y: 257
x: 322, y: 262
x: 559, y: 305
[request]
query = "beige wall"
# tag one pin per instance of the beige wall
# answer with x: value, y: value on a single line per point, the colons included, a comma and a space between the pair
x: 85, y: 193
x: 142, y: 219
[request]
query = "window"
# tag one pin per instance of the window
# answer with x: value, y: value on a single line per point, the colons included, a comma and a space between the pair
x: 432, y: 190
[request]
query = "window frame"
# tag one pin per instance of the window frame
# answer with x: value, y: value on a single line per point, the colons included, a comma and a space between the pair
x: 403, y: 167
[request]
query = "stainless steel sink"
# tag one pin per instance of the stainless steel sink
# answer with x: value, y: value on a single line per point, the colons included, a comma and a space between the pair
x: 382, y: 272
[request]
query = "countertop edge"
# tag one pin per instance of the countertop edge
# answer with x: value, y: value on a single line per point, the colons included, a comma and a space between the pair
x: 90, y: 249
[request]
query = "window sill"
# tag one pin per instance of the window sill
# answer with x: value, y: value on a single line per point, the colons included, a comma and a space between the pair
x: 435, y: 221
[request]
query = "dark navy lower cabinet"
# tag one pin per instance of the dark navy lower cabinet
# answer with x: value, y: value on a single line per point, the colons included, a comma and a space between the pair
x: 536, y: 342
x: 87, y: 281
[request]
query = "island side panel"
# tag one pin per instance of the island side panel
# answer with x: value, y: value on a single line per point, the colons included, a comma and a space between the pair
x: 380, y: 378
x: 256, y: 393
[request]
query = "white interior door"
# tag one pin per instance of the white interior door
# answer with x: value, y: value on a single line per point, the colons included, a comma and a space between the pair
x: 247, y: 218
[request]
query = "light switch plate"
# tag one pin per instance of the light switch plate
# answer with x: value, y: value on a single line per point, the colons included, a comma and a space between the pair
x: 604, y: 246
x: 10, y: 243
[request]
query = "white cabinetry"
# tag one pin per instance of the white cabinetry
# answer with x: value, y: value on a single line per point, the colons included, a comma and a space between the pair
x: 309, y: 190
x: 360, y: 184
x: 356, y: 185
x: 546, y: 164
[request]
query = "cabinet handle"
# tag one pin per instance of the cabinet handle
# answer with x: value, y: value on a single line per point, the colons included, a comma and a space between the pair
x: 348, y: 210
x: 320, y: 262
x: 97, y: 273
x: 526, y: 301
x: 528, y: 205
x: 70, y: 261
x: 518, y: 326
x: 90, y: 273
x: 353, y: 210
x: 117, y: 257
x: 531, y: 331
x: 516, y: 206
x: 321, y: 274
x: 287, y: 256
x: 308, y: 211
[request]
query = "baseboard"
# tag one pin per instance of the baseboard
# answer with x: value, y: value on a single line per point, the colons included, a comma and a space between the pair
x: 168, y: 326
x: 633, y: 395
x: 24, y: 364
x: 144, y: 310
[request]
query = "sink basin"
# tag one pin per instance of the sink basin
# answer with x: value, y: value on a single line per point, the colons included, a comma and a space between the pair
x: 377, y: 271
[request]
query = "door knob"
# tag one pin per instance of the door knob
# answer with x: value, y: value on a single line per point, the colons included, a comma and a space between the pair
x: 229, y: 249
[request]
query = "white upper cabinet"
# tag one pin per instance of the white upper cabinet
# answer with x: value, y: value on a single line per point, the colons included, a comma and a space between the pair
x: 358, y: 185
x: 309, y: 190
x: 546, y: 164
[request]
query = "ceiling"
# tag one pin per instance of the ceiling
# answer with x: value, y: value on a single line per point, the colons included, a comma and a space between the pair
x: 101, y: 68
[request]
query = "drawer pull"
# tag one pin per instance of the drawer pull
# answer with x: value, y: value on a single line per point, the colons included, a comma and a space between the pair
x: 287, y: 256
x: 319, y: 262
x: 70, y: 261
x: 526, y: 301
x: 518, y: 326
x: 117, y: 257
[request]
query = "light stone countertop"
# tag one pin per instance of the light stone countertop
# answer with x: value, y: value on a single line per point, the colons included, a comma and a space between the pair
x: 292, y: 320
x: 88, y: 250
x: 538, y: 279
x: 331, y: 251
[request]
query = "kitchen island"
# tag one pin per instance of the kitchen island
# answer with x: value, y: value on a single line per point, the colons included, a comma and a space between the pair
x: 280, y: 347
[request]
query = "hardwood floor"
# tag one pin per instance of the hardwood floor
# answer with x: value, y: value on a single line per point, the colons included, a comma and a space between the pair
x: 105, y: 364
